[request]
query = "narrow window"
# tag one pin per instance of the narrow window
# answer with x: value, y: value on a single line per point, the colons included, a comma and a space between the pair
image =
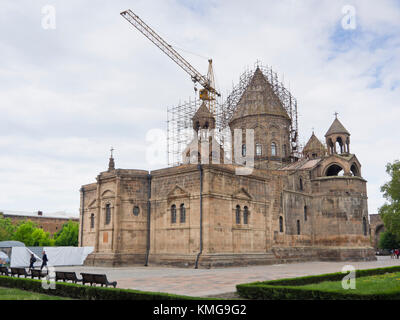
x: 284, y: 151
x: 136, y: 211
x: 298, y: 227
x: 365, y: 226
x: 273, y: 149
x: 280, y: 224
x: 305, y: 213
x: 237, y: 214
x: 108, y: 213
x: 173, y: 213
x: 243, y: 150
x: 182, y: 213
x: 246, y: 215
x: 92, y: 221
x: 258, y: 150
x: 301, y: 184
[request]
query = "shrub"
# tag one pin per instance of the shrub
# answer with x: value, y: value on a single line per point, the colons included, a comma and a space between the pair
x: 84, y: 292
x: 283, y: 289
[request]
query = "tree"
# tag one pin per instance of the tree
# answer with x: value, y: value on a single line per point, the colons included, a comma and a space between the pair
x: 24, y: 232
x: 388, y: 241
x: 28, y: 233
x: 68, y: 234
x: 7, y: 228
x: 40, y: 238
x: 390, y: 211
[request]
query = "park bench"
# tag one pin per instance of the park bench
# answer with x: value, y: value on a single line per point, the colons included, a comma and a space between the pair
x: 60, y: 276
x: 4, y: 270
x: 19, y: 272
x: 97, y: 279
x: 37, y: 273
x: 71, y: 276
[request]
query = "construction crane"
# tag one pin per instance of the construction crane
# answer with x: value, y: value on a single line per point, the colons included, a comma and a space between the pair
x: 208, y: 93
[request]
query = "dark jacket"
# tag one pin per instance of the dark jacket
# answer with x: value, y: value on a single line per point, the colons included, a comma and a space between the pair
x: 44, y: 258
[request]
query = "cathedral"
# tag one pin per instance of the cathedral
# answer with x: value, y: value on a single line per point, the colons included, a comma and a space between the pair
x: 206, y: 213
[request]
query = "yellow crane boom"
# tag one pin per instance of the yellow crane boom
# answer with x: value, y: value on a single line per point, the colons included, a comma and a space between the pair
x: 208, y: 92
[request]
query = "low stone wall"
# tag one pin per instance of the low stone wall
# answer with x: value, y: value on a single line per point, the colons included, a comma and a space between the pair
x: 114, y: 259
x: 275, y: 256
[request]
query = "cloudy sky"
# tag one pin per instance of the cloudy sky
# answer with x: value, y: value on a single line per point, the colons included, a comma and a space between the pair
x: 75, y: 83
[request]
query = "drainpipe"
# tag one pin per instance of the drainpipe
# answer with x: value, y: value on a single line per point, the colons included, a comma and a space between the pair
x: 148, y: 218
x: 83, y: 211
x: 201, y: 216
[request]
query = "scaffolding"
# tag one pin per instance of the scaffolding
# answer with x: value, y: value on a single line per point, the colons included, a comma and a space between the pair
x: 179, y: 118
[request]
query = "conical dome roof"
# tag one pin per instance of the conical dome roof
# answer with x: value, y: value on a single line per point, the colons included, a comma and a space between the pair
x: 203, y: 118
x: 202, y: 112
x: 259, y: 99
x: 313, y: 144
x: 336, y: 128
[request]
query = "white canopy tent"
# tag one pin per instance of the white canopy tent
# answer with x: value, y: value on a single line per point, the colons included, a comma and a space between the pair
x: 57, y: 256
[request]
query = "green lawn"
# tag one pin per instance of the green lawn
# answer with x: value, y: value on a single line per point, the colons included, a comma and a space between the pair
x: 17, y: 294
x: 365, y: 285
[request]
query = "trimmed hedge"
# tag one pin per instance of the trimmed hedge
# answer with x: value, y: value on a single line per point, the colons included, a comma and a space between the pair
x: 84, y: 292
x: 287, y: 289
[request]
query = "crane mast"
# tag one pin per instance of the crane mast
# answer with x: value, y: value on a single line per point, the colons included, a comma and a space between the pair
x: 208, y: 92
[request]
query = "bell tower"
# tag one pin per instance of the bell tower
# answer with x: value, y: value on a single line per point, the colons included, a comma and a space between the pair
x: 337, y: 138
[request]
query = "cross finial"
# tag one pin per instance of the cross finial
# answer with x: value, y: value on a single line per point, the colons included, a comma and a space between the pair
x: 313, y: 130
x: 336, y: 114
x: 112, y: 149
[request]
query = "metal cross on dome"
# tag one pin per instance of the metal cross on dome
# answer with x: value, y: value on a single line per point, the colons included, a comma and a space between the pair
x: 336, y: 114
x: 112, y: 149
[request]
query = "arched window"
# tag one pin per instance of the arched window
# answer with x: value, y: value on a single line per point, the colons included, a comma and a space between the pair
x: 334, y: 170
x: 365, y: 226
x: 258, y: 149
x: 92, y: 221
x: 280, y: 224
x: 273, y: 149
x: 182, y: 213
x: 246, y: 215
x: 173, y: 213
x: 305, y: 213
x: 108, y: 213
x: 243, y: 150
x: 339, y: 145
x: 136, y: 211
x: 237, y: 214
x: 298, y: 227
x: 301, y: 184
x: 354, y: 170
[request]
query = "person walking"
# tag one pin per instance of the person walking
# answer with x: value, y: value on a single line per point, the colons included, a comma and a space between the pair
x: 397, y: 252
x: 44, y: 261
x: 32, y: 261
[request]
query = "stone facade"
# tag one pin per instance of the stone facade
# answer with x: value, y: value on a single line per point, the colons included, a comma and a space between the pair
x: 376, y: 227
x: 206, y: 215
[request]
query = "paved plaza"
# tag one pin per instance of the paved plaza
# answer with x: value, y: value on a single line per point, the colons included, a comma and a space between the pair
x: 205, y: 282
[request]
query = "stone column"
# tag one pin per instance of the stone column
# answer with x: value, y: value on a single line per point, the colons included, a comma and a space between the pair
x: 81, y: 218
x: 97, y: 218
x: 116, y: 216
